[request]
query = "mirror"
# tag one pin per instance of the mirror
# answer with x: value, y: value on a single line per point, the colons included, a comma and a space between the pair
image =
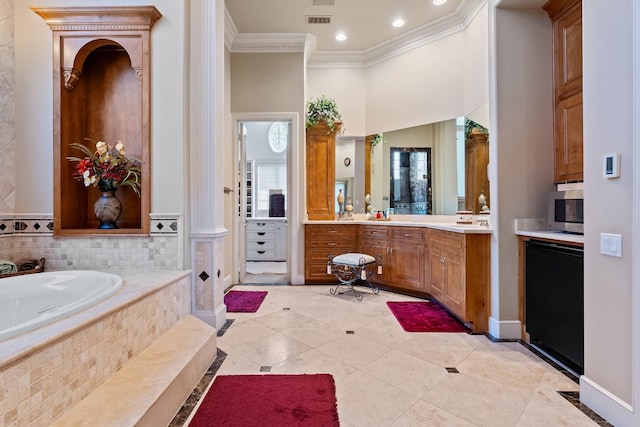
x: 410, y: 186
x: 446, y: 139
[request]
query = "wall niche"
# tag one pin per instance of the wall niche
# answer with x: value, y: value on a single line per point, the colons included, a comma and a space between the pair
x: 101, y: 92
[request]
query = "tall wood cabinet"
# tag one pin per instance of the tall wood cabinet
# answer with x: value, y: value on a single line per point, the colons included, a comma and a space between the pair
x: 476, y: 179
x: 101, y: 92
x: 566, y: 17
x: 321, y: 171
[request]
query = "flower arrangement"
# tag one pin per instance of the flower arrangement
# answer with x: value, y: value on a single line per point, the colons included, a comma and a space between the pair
x: 107, y: 167
x: 322, y: 109
x: 377, y: 139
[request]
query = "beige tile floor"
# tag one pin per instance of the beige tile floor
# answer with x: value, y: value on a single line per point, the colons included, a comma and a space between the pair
x: 388, y: 377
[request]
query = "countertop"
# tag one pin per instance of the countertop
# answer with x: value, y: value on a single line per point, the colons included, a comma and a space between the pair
x: 440, y: 222
x: 538, y: 228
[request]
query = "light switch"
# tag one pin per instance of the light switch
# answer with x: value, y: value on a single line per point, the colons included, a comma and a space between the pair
x: 611, y: 244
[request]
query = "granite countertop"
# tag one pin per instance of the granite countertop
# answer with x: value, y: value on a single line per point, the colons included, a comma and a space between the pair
x: 538, y: 228
x: 440, y: 222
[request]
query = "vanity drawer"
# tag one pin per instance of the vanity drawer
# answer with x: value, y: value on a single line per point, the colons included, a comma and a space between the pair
x: 413, y: 234
x: 374, y: 232
x: 261, y: 245
x: 331, y: 232
x: 261, y: 254
x: 261, y: 226
x: 260, y: 236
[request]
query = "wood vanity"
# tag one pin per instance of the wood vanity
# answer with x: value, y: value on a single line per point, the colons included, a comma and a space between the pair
x: 448, y: 262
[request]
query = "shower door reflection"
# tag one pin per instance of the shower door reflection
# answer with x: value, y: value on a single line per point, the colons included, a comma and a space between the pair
x: 411, y: 181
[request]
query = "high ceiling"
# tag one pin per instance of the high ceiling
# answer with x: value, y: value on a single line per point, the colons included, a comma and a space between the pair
x: 367, y: 23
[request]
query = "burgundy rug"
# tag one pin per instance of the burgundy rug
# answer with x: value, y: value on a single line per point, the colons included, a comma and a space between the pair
x: 244, y: 301
x: 425, y: 316
x: 269, y: 400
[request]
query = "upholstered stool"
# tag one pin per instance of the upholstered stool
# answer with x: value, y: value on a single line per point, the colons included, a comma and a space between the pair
x: 351, y: 268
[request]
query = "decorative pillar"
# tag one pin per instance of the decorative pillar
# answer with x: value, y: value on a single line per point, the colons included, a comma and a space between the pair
x: 206, y: 115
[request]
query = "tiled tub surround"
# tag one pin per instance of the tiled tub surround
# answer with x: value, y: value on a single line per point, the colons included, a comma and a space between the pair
x: 30, y: 236
x: 48, y: 370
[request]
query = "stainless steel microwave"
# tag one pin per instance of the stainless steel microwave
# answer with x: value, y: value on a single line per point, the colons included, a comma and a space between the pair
x: 566, y: 211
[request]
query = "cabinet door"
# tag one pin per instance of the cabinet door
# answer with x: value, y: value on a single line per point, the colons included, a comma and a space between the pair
x: 375, y: 248
x: 435, y: 273
x: 454, y: 292
x: 567, y: 34
x: 407, y: 261
x: 568, y: 139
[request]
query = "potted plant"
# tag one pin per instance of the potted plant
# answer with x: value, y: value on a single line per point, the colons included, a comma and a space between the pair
x: 322, y: 109
x: 377, y: 139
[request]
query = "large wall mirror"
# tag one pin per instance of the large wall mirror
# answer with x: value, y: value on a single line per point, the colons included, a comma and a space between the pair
x: 438, y: 187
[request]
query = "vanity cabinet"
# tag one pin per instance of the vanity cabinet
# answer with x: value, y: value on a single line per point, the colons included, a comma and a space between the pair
x: 566, y: 18
x: 402, y: 250
x: 321, y: 240
x: 458, y: 274
x: 266, y: 240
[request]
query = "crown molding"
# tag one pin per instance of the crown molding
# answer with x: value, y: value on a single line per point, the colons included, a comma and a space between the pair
x: 109, y: 18
x: 300, y: 42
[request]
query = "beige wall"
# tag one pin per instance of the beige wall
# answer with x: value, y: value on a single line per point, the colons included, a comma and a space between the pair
x: 520, y: 152
x: 609, y: 206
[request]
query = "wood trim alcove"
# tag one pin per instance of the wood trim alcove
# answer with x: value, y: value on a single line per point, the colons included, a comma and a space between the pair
x: 101, y: 91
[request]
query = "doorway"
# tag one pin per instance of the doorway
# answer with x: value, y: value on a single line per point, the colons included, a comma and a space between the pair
x: 263, y: 205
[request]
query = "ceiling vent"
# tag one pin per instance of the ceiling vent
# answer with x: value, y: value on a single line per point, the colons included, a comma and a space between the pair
x: 318, y: 20
x: 323, y: 2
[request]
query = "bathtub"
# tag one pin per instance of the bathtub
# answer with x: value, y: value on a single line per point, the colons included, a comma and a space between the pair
x: 30, y: 301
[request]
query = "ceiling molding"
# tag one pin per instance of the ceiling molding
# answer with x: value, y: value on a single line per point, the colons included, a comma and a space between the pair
x: 300, y: 42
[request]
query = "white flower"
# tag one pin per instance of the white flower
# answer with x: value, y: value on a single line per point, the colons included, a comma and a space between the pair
x: 101, y: 147
x: 120, y: 147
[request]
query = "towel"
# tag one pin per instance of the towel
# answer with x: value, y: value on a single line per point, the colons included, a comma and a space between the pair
x: 7, y: 267
x: 26, y: 264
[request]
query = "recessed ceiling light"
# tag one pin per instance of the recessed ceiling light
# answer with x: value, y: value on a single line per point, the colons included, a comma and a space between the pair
x: 439, y: 2
x: 398, y: 23
x: 341, y: 37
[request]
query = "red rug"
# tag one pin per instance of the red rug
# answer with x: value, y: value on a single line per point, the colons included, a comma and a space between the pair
x: 244, y: 301
x: 269, y: 400
x: 425, y: 316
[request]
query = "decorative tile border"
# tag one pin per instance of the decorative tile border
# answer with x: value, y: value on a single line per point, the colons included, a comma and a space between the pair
x: 161, y: 224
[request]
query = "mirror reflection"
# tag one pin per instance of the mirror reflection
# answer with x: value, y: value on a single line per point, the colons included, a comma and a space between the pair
x: 410, y: 186
x: 457, y: 172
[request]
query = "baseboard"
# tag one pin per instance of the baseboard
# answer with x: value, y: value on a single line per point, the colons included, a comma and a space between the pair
x: 606, y: 404
x: 505, y: 329
x: 216, y: 319
x: 297, y: 279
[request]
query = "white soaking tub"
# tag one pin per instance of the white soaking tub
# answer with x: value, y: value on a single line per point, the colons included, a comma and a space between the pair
x: 33, y: 300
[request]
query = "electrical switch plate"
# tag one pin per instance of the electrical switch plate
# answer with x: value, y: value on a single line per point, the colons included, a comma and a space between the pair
x: 611, y: 244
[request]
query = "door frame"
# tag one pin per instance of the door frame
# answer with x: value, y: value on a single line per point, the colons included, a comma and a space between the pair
x: 294, y: 186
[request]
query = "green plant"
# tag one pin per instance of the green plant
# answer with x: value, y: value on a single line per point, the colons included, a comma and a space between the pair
x: 470, y: 125
x: 377, y: 140
x: 322, y: 109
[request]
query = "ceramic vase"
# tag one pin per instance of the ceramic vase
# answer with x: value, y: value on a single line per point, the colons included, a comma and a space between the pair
x: 107, y: 208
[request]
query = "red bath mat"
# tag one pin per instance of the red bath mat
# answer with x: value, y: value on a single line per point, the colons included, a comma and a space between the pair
x: 425, y: 316
x: 269, y: 400
x: 244, y: 301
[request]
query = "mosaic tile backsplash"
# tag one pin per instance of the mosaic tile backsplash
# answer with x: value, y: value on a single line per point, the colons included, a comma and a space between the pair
x: 30, y: 236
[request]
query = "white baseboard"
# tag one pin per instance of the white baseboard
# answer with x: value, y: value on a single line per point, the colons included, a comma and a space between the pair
x: 505, y: 329
x: 217, y: 319
x: 297, y: 279
x: 607, y: 405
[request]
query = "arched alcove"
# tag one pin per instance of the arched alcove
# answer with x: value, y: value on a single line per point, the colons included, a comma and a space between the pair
x: 101, y: 70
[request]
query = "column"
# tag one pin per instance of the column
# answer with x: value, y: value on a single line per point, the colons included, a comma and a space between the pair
x: 206, y: 115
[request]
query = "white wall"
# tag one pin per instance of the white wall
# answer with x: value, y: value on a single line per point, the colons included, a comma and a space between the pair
x: 34, y: 106
x: 609, y: 120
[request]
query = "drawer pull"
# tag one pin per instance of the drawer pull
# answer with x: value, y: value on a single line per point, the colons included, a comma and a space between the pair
x: 261, y: 243
x: 261, y: 252
x: 261, y: 224
x: 407, y: 234
x: 331, y: 244
x: 261, y: 233
x: 333, y: 231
